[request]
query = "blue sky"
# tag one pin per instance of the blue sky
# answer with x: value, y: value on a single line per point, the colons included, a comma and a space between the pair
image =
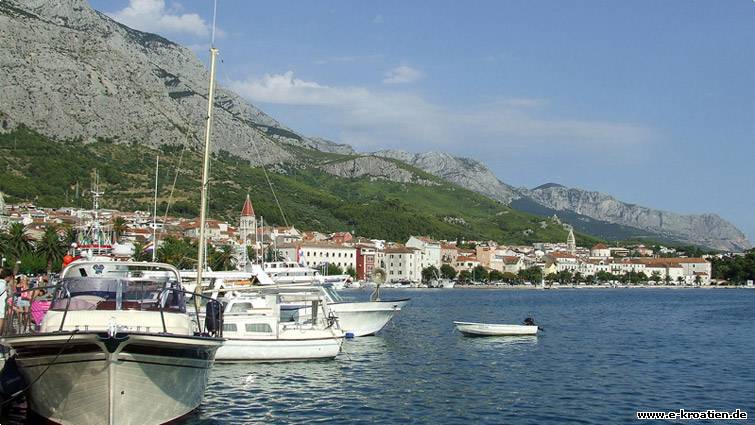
x: 652, y: 102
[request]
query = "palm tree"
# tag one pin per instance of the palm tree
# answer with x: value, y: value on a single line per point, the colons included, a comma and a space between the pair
x: 119, y: 227
x: 139, y: 254
x: 179, y: 252
x: 51, y: 247
x: 223, y: 259
x: 17, y: 243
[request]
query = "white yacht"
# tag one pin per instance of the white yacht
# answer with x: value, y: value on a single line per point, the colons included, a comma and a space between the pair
x: 290, y: 272
x: 360, y: 318
x: 117, y: 347
x: 256, y: 329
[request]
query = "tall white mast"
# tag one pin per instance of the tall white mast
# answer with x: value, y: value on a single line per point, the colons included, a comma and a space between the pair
x: 206, y: 171
x: 154, y: 212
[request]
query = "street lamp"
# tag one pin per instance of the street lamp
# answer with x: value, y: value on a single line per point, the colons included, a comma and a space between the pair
x: 3, y: 262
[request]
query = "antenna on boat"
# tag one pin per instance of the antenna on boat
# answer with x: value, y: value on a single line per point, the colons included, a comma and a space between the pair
x: 154, y: 212
x: 206, y: 161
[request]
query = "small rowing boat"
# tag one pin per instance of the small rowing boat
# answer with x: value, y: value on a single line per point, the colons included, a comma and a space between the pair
x: 490, y: 329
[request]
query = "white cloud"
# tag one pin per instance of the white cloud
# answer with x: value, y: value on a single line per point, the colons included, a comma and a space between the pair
x: 373, y: 119
x: 154, y: 16
x: 402, y: 74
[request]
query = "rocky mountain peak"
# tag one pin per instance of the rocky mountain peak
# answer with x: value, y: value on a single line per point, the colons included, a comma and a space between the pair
x: 465, y: 172
x: 69, y: 71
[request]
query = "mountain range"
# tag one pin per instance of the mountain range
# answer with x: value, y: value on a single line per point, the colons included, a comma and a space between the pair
x: 70, y: 72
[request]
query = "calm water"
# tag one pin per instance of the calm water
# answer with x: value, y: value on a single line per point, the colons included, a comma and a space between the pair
x: 604, y: 354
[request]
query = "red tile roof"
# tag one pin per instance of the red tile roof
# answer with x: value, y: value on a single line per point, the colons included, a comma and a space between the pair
x: 247, y: 210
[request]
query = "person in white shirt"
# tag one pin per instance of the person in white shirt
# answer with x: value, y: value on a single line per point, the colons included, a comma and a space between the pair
x: 5, y: 277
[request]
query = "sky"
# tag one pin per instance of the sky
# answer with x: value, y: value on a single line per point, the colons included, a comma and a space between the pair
x: 652, y: 102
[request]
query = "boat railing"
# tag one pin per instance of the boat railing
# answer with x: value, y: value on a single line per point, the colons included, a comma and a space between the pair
x: 21, y: 318
x: 213, y: 315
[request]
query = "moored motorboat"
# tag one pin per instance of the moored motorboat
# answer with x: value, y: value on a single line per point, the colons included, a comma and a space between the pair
x: 117, y: 348
x: 362, y: 318
x: 256, y: 331
x: 490, y: 329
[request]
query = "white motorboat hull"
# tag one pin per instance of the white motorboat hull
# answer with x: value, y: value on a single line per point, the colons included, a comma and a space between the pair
x: 487, y: 329
x: 366, y: 318
x: 127, y: 379
x: 279, y: 350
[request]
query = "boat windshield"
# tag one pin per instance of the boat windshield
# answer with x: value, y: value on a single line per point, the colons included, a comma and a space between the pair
x: 332, y: 294
x: 118, y: 294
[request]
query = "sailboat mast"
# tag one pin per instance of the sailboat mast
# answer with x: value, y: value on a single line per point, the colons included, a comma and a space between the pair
x: 206, y: 170
x: 154, y: 212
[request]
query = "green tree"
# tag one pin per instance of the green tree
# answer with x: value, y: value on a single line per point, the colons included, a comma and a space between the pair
x: 430, y: 273
x: 51, y: 247
x: 667, y: 278
x: 139, y: 254
x: 17, y: 243
x: 680, y: 280
x: 495, y: 276
x: 447, y: 271
x: 351, y: 272
x: 510, y: 277
x: 698, y: 280
x: 273, y: 255
x: 655, y: 277
x: 465, y: 276
x: 223, y: 259
x: 564, y: 276
x: 333, y: 270
x: 251, y: 253
x: 32, y: 263
x: 119, y: 227
x: 182, y: 253
x: 479, y: 274
x: 531, y: 274
x: 604, y: 276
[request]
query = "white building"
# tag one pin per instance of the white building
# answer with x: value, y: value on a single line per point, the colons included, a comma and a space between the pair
x: 430, y: 251
x: 600, y: 251
x: 317, y: 254
x: 402, y: 263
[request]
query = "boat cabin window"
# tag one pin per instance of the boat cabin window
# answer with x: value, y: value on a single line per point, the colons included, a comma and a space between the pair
x: 117, y: 294
x: 229, y: 327
x: 258, y: 327
x: 240, y: 307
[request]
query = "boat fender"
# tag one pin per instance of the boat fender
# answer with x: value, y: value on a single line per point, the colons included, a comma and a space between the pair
x: 11, y: 379
x: 349, y: 335
x: 212, y: 318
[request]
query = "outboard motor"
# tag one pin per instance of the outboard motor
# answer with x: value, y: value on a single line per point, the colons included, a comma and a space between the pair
x: 531, y: 322
x: 213, y: 318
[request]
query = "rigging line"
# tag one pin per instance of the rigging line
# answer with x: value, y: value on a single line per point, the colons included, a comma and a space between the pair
x: 173, y: 188
x: 262, y: 164
x: 269, y: 183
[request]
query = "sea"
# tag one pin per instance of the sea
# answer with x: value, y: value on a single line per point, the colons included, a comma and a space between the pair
x: 602, y: 356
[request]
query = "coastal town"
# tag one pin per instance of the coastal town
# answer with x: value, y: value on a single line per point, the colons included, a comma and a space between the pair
x: 412, y: 262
